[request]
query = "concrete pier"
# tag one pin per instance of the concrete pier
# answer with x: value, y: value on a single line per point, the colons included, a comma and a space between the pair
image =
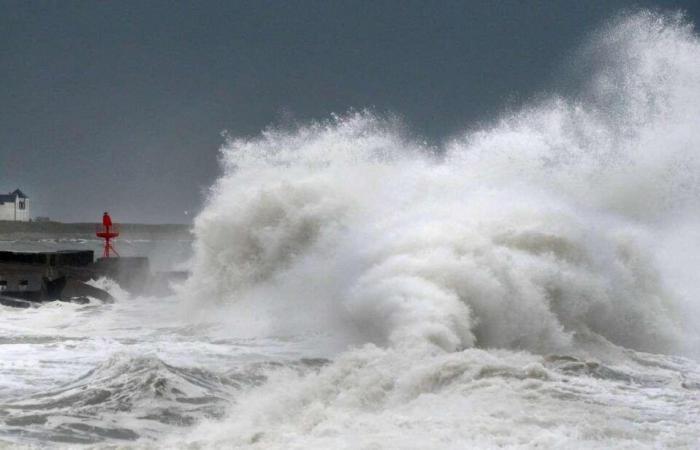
x: 62, y: 275
x: 28, y: 278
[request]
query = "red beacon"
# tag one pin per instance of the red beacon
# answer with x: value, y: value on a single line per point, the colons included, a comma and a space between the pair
x: 107, y: 232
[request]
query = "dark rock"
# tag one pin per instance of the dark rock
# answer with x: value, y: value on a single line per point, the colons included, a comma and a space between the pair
x: 15, y: 302
x: 75, y: 289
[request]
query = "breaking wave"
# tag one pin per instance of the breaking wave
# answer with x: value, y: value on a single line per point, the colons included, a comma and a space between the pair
x: 564, y: 228
x: 530, y: 234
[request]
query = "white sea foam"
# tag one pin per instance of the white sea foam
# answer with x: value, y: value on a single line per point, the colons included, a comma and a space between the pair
x: 453, y: 271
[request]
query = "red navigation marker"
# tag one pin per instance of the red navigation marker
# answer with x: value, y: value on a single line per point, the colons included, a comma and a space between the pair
x: 107, y: 232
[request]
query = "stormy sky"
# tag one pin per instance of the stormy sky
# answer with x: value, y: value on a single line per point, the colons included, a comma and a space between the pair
x: 121, y: 105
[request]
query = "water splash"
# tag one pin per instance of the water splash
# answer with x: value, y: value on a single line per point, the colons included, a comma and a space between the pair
x: 533, y: 233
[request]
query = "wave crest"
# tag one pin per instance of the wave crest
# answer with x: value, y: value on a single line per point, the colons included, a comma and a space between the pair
x: 538, y: 233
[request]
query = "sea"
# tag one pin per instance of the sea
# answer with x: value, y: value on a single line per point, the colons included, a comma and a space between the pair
x: 530, y: 282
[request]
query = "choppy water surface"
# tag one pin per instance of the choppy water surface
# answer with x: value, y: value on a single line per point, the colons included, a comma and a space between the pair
x: 124, y: 371
x: 529, y: 284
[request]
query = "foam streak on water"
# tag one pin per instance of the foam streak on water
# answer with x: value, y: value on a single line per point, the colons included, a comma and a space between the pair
x: 532, y: 283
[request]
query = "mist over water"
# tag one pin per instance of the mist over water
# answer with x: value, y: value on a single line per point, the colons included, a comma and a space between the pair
x: 533, y: 282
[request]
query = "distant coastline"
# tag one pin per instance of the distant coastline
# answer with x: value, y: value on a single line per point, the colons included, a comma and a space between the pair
x: 10, y: 230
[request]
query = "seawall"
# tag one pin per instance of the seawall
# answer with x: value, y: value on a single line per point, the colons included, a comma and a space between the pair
x: 10, y: 230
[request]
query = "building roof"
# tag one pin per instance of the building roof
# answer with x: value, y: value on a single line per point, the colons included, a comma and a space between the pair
x: 10, y: 198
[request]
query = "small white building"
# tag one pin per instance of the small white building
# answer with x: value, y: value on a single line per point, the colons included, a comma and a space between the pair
x: 14, y: 206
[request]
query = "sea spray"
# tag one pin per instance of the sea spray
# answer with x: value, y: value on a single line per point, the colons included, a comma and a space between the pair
x: 523, y: 235
x: 493, y: 291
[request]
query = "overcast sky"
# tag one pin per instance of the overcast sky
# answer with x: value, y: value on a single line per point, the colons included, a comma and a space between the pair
x: 120, y: 105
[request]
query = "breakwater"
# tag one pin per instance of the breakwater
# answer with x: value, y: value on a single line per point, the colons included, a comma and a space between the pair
x: 86, y: 230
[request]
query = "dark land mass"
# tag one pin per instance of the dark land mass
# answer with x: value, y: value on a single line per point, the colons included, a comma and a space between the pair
x: 10, y: 230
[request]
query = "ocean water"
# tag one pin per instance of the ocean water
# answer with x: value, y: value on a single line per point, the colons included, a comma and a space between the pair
x: 530, y: 283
